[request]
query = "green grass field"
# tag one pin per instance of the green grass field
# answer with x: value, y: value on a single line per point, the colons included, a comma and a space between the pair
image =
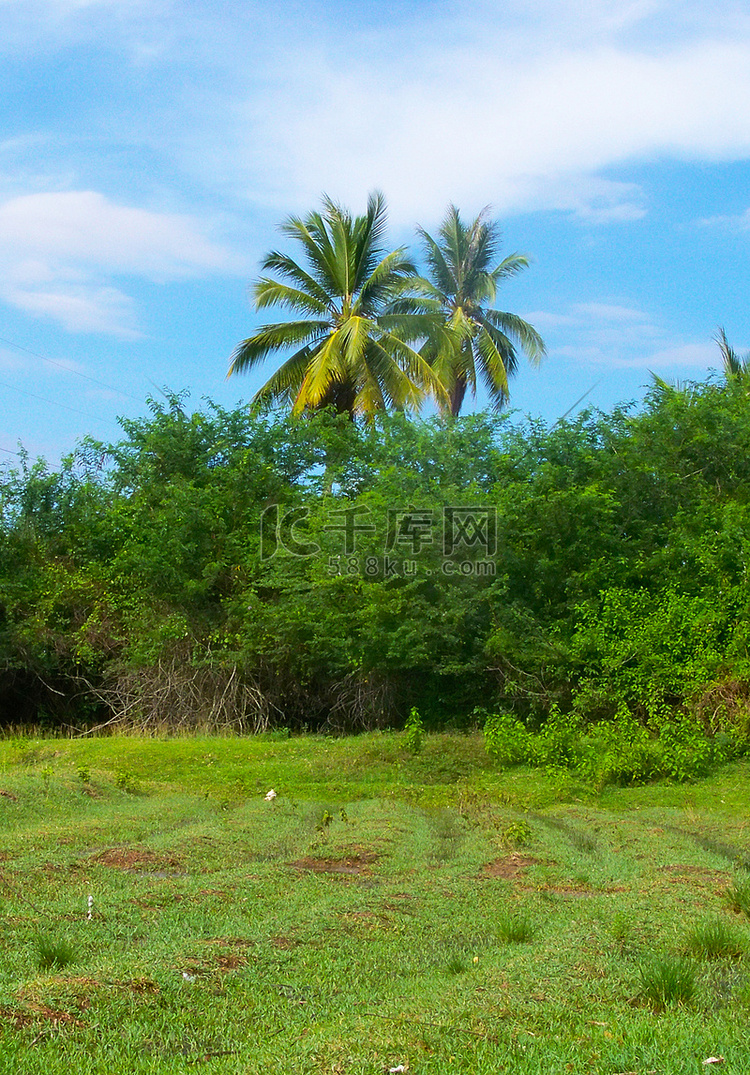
x: 385, y: 910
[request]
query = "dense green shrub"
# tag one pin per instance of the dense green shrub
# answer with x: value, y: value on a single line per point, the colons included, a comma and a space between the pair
x: 251, y: 569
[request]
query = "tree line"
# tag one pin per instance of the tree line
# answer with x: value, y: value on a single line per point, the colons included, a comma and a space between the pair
x: 247, y: 569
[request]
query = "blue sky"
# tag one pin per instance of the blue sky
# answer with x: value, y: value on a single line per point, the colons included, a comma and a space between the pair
x: 148, y: 148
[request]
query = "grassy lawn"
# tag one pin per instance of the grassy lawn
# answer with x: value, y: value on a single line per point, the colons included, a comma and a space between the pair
x: 384, y: 910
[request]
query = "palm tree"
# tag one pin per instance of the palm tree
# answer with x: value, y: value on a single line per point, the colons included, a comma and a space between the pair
x: 350, y: 349
x: 734, y: 365
x: 480, y: 341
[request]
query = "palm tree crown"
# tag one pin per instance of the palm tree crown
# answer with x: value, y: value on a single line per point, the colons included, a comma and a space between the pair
x: 734, y: 365
x: 350, y: 349
x: 480, y: 340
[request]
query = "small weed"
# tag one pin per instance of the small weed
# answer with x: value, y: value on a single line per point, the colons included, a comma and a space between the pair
x: 54, y: 952
x: 84, y: 774
x: 668, y: 980
x: 414, y: 732
x: 517, y: 834
x: 27, y: 750
x: 325, y: 821
x: 458, y: 963
x: 126, y: 781
x: 626, y: 936
x: 47, y: 778
x: 738, y: 895
x: 715, y: 939
x: 514, y: 927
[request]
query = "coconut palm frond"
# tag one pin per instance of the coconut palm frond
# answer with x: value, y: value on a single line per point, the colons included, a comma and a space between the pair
x: 735, y: 365
x: 464, y: 282
x: 272, y: 338
x: 531, y: 342
x: 274, y: 293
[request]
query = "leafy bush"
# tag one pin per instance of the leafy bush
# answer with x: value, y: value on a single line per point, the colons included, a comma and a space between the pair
x: 414, y: 732
x: 508, y: 741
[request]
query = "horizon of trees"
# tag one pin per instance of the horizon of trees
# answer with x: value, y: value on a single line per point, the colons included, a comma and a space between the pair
x: 233, y: 569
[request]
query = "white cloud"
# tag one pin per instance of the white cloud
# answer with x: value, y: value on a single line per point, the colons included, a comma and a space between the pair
x: 58, y: 251
x: 83, y: 226
x: 613, y: 336
x: 738, y: 222
x: 522, y: 134
x: 523, y: 105
x: 85, y: 309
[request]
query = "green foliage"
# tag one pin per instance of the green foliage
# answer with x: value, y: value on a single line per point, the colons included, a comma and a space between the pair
x: 715, y: 938
x: 414, y: 732
x: 54, y: 953
x: 196, y: 573
x: 517, y: 834
x: 617, y: 751
x: 481, y: 342
x: 514, y: 927
x: 127, y: 781
x: 346, y: 347
x: 667, y: 980
x: 508, y: 741
x: 738, y: 896
x: 685, y: 751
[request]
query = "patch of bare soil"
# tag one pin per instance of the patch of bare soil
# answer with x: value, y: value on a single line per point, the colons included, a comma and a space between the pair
x: 357, y: 922
x: 37, y: 1013
x: 355, y: 865
x: 230, y: 961
x: 135, y: 858
x: 579, y: 892
x: 510, y: 867
x: 142, y: 986
x: 702, y: 876
x: 285, y: 943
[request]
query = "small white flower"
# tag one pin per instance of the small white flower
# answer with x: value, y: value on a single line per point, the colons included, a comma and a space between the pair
x: 270, y: 796
x: 188, y: 977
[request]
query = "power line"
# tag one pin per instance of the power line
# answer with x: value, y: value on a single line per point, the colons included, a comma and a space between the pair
x: 54, y: 403
x: 76, y: 373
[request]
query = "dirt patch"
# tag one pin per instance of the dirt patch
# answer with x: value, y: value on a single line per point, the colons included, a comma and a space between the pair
x: 510, y: 867
x: 285, y: 943
x: 135, y: 858
x: 9, y: 795
x: 572, y: 891
x: 701, y: 876
x: 230, y: 961
x: 694, y: 871
x: 142, y: 986
x: 38, y: 1013
x: 355, y: 865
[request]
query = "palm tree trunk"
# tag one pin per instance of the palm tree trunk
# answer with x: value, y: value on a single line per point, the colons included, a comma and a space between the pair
x: 457, y: 394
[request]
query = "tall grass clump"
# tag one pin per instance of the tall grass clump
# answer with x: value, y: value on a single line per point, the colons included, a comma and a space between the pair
x: 738, y: 895
x: 54, y: 953
x: 667, y: 980
x: 715, y: 939
x: 514, y: 927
